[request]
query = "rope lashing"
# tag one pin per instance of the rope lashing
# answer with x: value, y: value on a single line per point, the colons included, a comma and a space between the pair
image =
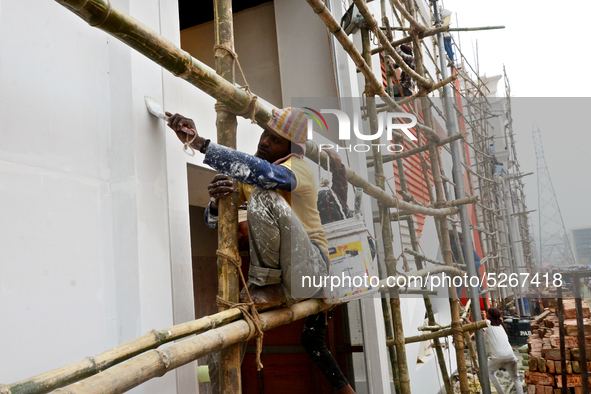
x: 251, y: 109
x: 248, y: 309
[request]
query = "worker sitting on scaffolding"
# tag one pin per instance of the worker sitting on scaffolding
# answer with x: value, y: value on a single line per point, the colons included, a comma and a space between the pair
x: 286, y: 238
x: 405, y: 52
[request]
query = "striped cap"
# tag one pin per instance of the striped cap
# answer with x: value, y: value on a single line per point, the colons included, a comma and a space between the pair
x: 290, y: 123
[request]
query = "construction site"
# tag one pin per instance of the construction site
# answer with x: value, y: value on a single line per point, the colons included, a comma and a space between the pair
x: 113, y: 282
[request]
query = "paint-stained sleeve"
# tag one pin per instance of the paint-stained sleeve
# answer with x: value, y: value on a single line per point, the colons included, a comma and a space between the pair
x: 211, y: 216
x: 249, y: 169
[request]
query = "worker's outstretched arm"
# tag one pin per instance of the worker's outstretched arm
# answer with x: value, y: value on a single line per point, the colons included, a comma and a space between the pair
x: 249, y: 169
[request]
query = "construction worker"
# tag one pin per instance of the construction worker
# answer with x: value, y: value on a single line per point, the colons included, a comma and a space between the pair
x: 405, y: 52
x: 501, y: 352
x: 286, y: 238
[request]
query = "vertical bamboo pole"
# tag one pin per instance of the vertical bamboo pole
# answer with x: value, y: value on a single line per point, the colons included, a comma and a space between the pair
x: 426, y: 110
x: 228, y: 277
x: 426, y: 299
x: 403, y: 374
x: 465, y: 221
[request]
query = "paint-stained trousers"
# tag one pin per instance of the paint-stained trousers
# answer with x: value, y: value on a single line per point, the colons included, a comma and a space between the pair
x: 511, y: 366
x: 280, y: 249
x: 281, y: 252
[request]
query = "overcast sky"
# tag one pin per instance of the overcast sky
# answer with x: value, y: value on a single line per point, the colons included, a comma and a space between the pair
x: 544, y: 48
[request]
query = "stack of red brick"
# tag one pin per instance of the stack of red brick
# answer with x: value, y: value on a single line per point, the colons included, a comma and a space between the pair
x: 544, y: 375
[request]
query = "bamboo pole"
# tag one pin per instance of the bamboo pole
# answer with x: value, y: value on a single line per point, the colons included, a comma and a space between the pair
x: 458, y: 29
x: 109, y: 359
x: 226, y: 124
x: 426, y: 299
x: 103, y: 15
x: 410, y: 222
x: 434, y: 87
x: 445, y: 332
x: 388, y: 312
x: 157, y: 362
x: 59, y: 377
x: 375, y: 85
x: 381, y: 195
x: 407, y: 39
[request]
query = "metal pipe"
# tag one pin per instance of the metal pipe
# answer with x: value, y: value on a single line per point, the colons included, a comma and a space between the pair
x: 452, y: 128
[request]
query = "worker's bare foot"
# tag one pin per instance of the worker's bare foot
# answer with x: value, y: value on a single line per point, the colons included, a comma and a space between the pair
x: 263, y: 295
x: 346, y: 390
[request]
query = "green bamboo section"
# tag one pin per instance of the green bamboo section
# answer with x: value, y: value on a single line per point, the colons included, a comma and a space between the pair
x: 226, y: 124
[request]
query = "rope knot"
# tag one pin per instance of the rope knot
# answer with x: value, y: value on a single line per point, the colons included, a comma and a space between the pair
x: 248, y: 309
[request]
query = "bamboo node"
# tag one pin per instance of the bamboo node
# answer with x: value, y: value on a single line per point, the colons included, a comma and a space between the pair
x: 164, y: 357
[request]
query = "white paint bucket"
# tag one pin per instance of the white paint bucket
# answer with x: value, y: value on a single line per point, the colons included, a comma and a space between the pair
x: 352, y: 262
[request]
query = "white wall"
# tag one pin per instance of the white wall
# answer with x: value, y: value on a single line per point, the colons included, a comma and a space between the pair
x: 92, y: 237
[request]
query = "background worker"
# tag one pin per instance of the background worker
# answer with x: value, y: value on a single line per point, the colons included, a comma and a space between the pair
x: 501, y: 352
x: 286, y: 238
x: 405, y: 52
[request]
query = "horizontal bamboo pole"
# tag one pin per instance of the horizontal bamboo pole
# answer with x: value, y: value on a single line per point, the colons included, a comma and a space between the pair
x: 425, y: 258
x: 435, y: 86
x: 376, y: 85
x: 69, y: 374
x: 405, y: 154
x: 103, y: 15
x: 407, y: 39
x: 157, y: 362
x: 379, y: 194
x: 434, y: 328
x: 458, y: 29
x: 443, y: 333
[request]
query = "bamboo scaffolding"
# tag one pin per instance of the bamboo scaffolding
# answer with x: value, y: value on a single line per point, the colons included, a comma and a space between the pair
x: 226, y: 124
x: 407, y: 39
x: 101, y: 14
x: 370, y: 20
x: 408, y: 153
x: 401, y: 363
x: 375, y: 85
x: 381, y: 195
x: 157, y: 362
x: 389, y: 311
x: 426, y: 299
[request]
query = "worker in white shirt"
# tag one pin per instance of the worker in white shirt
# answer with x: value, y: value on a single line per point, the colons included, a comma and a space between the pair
x: 501, y: 352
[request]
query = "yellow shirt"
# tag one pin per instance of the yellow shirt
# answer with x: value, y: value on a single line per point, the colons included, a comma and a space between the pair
x: 303, y: 200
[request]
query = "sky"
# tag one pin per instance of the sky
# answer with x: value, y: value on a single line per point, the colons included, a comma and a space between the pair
x: 545, y: 52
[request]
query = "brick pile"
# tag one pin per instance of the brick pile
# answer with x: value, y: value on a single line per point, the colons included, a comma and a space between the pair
x: 544, y: 375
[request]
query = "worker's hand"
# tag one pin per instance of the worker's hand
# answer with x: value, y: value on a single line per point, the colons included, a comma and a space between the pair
x: 335, y: 159
x: 183, y: 127
x: 220, y: 186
